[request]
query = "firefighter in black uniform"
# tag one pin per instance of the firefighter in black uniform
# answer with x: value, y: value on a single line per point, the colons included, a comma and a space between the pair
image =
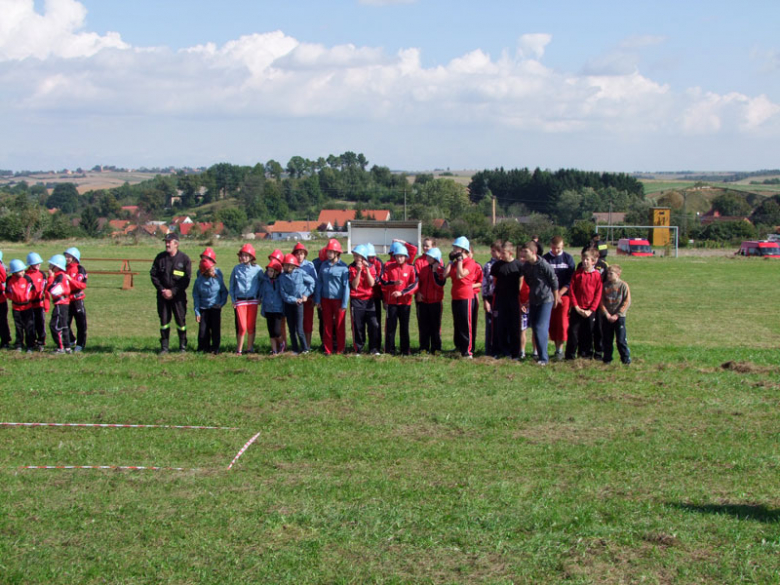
x: 170, y: 274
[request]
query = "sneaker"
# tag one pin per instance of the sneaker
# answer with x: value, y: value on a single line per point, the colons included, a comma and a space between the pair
x: 164, y: 351
x: 541, y: 363
x: 28, y: 351
x: 60, y: 351
x: 239, y: 353
x: 78, y: 349
x: 558, y: 355
x: 41, y: 349
x: 522, y: 355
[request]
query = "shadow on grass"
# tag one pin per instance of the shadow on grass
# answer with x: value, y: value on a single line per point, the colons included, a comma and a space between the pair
x: 757, y: 512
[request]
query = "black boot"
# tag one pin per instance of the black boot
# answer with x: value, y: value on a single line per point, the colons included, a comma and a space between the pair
x: 182, y: 342
x: 164, y: 335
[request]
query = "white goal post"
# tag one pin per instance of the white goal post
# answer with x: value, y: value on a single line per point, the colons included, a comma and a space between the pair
x: 382, y: 233
x: 650, y: 227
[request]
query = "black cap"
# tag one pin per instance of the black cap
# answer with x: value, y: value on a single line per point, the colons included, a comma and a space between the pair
x: 171, y: 236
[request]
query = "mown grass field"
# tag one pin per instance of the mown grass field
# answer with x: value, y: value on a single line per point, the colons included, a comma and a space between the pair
x: 413, y: 470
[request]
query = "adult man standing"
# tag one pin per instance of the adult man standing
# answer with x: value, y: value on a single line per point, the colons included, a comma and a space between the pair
x: 171, y: 271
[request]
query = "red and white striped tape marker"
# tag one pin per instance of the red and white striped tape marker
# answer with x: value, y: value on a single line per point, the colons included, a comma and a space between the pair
x: 244, y: 448
x: 120, y: 467
x: 115, y: 426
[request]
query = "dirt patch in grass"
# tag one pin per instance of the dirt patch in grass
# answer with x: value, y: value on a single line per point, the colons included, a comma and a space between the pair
x: 567, y: 432
x: 600, y: 562
x: 747, y: 368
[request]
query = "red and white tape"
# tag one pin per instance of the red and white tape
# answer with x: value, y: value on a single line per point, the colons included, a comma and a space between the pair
x: 115, y: 426
x: 114, y: 467
x: 244, y: 448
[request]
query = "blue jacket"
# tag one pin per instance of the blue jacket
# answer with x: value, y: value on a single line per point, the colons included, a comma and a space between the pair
x: 295, y: 285
x: 271, y: 295
x: 209, y: 293
x: 333, y: 283
x: 245, y: 281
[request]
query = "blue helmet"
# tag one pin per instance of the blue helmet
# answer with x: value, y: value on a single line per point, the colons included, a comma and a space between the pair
x: 59, y: 261
x: 370, y: 250
x: 398, y: 248
x: 34, y: 258
x: 75, y: 253
x: 462, y: 242
x: 360, y: 250
x: 434, y: 253
x: 17, y: 266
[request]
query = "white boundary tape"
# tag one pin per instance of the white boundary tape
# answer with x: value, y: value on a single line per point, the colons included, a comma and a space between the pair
x: 114, y: 467
x: 114, y: 426
x: 244, y: 448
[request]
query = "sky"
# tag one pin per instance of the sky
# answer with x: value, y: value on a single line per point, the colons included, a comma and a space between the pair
x: 412, y: 84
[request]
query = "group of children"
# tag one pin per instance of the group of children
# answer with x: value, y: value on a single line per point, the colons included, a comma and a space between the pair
x: 33, y: 293
x: 580, y: 307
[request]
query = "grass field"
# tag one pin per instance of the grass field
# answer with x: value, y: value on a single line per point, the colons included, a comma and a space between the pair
x: 404, y: 470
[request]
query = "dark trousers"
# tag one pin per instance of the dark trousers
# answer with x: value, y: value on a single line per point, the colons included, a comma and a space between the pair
x: 507, y: 329
x: 491, y: 347
x: 461, y: 320
x: 293, y: 312
x: 616, y: 330
x: 39, y: 326
x: 77, y: 312
x: 176, y: 308
x: 429, y: 321
x: 474, y: 320
x: 378, y: 308
x: 210, y: 330
x: 363, y: 317
x: 24, y: 323
x: 598, y: 340
x: 397, y: 314
x: 5, y: 330
x: 580, y: 335
x: 58, y: 325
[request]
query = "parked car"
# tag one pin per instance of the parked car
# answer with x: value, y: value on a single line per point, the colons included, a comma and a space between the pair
x: 762, y: 248
x: 634, y: 247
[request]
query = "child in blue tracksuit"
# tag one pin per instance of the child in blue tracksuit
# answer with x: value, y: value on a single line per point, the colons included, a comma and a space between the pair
x: 297, y: 287
x: 272, y: 306
x: 209, y: 295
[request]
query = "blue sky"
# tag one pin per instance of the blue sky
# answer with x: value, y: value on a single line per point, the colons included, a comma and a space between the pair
x: 415, y: 84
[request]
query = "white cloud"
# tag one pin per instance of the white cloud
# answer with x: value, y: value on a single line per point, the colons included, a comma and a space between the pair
x: 50, y: 67
x: 533, y: 45
x: 26, y: 33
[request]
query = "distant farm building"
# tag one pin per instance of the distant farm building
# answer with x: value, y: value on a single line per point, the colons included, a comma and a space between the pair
x: 332, y: 218
x: 292, y: 230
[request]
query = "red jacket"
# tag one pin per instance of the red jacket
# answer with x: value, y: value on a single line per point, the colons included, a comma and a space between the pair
x: 78, y: 280
x: 3, y: 278
x: 58, y: 289
x: 585, y: 290
x: 378, y: 266
x: 431, y: 276
x: 463, y: 289
x: 39, y: 279
x: 363, y: 292
x: 399, y: 277
x: 20, y: 290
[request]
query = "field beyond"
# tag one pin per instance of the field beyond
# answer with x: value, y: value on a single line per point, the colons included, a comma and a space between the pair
x: 403, y: 470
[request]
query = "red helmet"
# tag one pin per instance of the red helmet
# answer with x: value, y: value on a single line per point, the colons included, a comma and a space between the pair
x: 209, y: 253
x: 276, y: 255
x: 323, y: 255
x: 291, y: 259
x: 333, y: 245
x: 248, y: 249
x: 205, y: 264
x: 298, y: 247
x: 275, y: 264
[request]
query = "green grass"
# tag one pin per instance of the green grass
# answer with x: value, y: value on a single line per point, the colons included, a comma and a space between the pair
x: 391, y: 470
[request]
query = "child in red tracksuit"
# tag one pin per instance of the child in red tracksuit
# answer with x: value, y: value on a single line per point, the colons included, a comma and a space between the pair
x: 76, y: 310
x: 34, y: 262
x: 20, y: 290
x: 58, y: 297
x: 585, y: 289
x: 399, y: 282
x: 430, y: 295
x: 362, y: 278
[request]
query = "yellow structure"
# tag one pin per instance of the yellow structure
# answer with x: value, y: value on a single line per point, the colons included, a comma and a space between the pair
x: 661, y: 216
